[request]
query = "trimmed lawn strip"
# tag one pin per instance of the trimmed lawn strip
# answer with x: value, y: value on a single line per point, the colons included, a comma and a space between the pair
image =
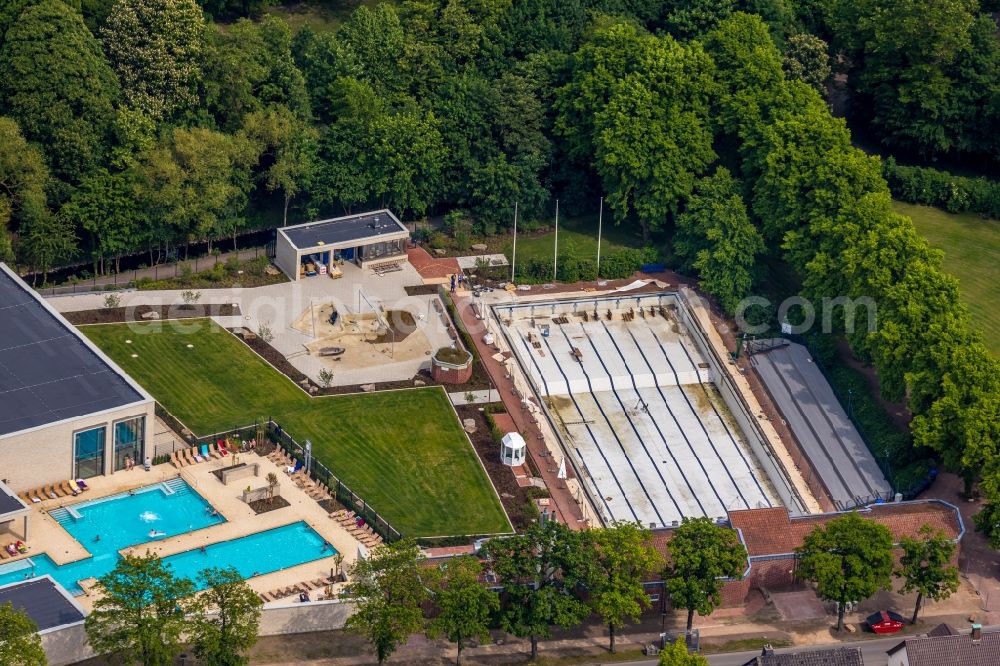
x: 971, y: 248
x: 402, y: 451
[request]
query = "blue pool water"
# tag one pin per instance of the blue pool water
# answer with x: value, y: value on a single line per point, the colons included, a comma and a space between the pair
x: 126, y: 520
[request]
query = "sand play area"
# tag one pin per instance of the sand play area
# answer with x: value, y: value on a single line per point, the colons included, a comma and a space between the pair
x: 365, y: 339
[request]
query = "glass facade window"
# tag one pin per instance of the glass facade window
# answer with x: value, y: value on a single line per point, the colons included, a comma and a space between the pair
x: 88, y: 453
x: 130, y: 435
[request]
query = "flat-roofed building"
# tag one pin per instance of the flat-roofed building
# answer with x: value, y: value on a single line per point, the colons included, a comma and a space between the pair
x: 366, y: 239
x: 67, y: 411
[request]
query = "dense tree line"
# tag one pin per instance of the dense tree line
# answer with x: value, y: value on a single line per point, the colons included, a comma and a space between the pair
x: 139, y: 125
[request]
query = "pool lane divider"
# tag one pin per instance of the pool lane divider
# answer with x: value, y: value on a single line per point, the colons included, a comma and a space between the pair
x: 704, y: 430
x: 590, y: 432
x: 610, y: 427
x: 725, y: 425
x: 635, y: 430
x: 575, y: 448
x: 656, y: 425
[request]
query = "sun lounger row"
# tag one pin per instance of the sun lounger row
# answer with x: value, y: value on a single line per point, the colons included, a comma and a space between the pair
x: 360, y: 530
x: 304, y: 587
x: 13, y: 549
x: 54, y: 491
x: 197, y: 454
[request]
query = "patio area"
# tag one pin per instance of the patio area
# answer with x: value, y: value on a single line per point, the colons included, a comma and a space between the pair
x: 47, y: 536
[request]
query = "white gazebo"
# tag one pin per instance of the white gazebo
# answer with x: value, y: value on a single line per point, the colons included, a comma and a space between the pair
x: 512, y: 449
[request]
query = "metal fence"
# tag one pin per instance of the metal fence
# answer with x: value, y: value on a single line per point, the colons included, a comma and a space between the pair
x: 318, y: 472
x: 165, y: 271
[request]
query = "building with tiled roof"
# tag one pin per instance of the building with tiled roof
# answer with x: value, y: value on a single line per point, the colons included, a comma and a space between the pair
x: 843, y: 656
x: 771, y: 536
x: 943, y: 646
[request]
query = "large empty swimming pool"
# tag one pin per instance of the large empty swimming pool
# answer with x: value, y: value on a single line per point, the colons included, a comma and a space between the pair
x: 110, y: 524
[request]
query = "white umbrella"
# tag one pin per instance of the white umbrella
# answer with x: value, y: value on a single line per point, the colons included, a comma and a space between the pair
x: 562, y: 469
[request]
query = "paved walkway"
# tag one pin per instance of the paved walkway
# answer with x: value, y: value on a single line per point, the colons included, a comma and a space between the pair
x: 564, y: 503
x: 478, y: 397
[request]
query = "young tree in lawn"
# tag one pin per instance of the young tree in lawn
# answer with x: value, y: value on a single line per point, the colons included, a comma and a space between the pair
x: 388, y: 593
x: 926, y: 567
x: 228, y: 618
x: 848, y: 558
x: 139, y: 615
x: 621, y: 559
x: 464, y: 605
x: 20, y: 644
x: 677, y: 655
x: 540, y: 570
x: 701, y: 554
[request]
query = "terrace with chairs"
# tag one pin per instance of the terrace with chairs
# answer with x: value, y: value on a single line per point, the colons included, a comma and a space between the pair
x: 12, y: 507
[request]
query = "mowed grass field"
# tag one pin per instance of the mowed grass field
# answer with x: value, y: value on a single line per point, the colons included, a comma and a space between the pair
x: 577, y: 238
x: 402, y: 451
x: 971, y: 248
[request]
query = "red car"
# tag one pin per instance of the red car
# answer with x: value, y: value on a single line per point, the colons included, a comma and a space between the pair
x: 885, y: 622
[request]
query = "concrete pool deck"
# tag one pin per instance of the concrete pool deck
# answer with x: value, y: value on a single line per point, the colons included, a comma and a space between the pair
x: 47, y: 536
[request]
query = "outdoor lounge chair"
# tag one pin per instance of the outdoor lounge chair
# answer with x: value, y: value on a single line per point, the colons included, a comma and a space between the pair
x: 221, y: 445
x: 205, y: 453
x: 174, y: 461
x: 68, y: 489
x: 82, y: 485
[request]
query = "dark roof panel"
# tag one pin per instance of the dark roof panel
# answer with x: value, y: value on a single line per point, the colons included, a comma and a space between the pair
x: 43, y: 602
x: 9, y: 501
x: 47, y: 371
x: 834, y: 657
x: 954, y: 650
x: 344, y: 229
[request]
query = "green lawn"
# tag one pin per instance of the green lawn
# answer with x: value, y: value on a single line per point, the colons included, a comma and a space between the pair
x: 402, y: 451
x: 577, y: 238
x: 971, y: 248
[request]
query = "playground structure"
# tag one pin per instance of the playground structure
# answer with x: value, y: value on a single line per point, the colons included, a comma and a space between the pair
x: 346, y: 340
x: 633, y: 398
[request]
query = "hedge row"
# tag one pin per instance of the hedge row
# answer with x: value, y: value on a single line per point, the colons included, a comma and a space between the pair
x: 614, y: 265
x: 931, y: 187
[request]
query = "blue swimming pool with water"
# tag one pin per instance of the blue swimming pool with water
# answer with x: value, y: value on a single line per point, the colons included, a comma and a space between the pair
x: 168, y: 509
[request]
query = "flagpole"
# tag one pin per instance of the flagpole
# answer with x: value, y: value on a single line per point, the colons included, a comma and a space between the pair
x: 600, y: 218
x: 555, y: 250
x: 513, y: 252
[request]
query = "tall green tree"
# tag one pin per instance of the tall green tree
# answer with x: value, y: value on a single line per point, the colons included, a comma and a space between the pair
x: 464, y: 606
x: 388, y: 592
x: 700, y: 556
x: 48, y: 240
x: 807, y: 59
x: 715, y: 237
x: 22, y: 184
x: 621, y: 560
x: 105, y: 207
x: 287, y: 147
x: 541, y: 569
x: 155, y: 47
x: 406, y: 156
x: 249, y: 67
x: 58, y: 87
x: 227, y: 618
x: 139, y: 616
x: 926, y: 567
x: 20, y: 644
x: 849, y: 559
x: 196, y: 180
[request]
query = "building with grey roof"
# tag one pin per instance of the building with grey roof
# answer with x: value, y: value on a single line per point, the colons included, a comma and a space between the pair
x: 67, y: 411
x: 843, y: 656
x: 366, y: 239
x: 944, y: 646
